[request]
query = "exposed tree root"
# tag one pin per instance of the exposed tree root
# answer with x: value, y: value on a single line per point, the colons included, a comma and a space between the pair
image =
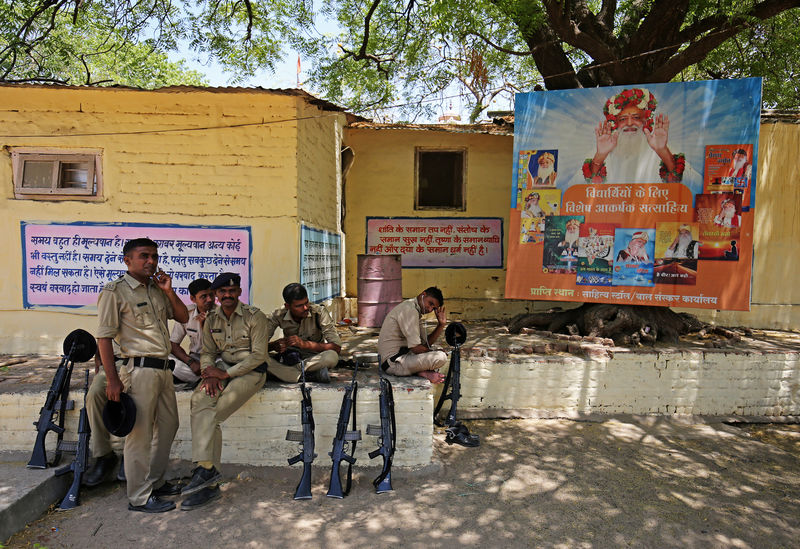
x: 625, y: 324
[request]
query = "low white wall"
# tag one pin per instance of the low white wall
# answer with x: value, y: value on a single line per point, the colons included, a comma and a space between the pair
x: 669, y: 382
x: 256, y: 433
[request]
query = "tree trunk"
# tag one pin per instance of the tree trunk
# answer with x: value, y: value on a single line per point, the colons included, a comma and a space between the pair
x: 625, y: 324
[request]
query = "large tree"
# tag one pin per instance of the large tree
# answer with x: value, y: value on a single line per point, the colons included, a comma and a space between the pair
x: 385, y: 52
x: 389, y: 46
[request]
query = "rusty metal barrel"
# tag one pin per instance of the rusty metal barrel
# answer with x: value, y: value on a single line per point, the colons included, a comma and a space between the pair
x: 379, y: 287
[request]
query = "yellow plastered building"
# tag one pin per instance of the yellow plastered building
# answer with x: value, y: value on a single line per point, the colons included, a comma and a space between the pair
x: 264, y: 159
x: 383, y: 182
x: 273, y: 161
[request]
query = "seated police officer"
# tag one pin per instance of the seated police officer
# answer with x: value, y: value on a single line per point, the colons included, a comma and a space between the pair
x: 233, y: 369
x: 309, y: 331
x: 404, y: 343
x: 187, y: 365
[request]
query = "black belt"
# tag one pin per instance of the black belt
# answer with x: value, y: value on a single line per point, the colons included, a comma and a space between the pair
x: 150, y: 362
x: 398, y: 354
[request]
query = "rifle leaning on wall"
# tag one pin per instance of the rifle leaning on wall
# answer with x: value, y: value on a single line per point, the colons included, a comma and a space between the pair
x: 387, y: 431
x: 79, y: 346
x: 305, y: 437
x: 80, y: 464
x: 343, y: 436
x: 455, y: 431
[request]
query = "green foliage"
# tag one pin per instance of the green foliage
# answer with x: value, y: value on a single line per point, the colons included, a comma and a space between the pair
x: 411, y: 53
x: 98, y: 44
x: 770, y: 49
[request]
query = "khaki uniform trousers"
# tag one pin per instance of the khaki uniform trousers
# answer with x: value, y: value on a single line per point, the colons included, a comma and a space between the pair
x: 410, y: 363
x: 148, y: 445
x: 95, y: 402
x: 291, y: 374
x: 209, y: 412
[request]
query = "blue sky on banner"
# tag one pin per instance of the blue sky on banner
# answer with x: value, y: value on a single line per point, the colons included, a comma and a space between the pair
x: 700, y: 113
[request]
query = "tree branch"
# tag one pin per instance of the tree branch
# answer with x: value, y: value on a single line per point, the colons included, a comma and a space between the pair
x: 362, y: 54
x: 697, y: 51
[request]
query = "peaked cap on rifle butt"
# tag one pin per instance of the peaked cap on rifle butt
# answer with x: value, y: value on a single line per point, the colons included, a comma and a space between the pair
x: 455, y: 334
x: 85, y: 346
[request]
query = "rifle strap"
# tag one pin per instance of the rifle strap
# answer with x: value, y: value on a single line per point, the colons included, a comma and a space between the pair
x: 353, y: 448
x: 62, y: 411
x: 390, y: 402
x: 444, y: 396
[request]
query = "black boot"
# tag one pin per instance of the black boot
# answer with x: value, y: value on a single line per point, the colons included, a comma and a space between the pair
x: 100, y: 470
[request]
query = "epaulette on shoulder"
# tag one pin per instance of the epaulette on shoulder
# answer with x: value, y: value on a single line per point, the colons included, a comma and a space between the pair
x: 113, y: 283
x: 253, y: 309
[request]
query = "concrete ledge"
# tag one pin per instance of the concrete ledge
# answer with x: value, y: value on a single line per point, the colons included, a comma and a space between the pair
x: 25, y: 494
x: 255, y: 434
x: 509, y: 382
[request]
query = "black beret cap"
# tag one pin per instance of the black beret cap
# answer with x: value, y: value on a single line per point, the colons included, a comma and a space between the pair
x: 226, y: 279
x: 119, y: 417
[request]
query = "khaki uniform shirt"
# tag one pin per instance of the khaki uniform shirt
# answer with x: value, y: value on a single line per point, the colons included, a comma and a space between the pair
x: 240, y: 341
x: 318, y: 326
x: 402, y: 327
x: 193, y: 329
x: 135, y: 316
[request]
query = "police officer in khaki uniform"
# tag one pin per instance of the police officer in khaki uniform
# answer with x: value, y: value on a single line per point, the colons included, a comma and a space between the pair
x: 133, y: 311
x: 404, y: 344
x: 100, y: 441
x: 233, y: 369
x: 308, y: 328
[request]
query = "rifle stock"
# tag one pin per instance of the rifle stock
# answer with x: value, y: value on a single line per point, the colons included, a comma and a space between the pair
x: 388, y: 436
x: 305, y: 437
x: 58, y: 393
x: 342, y: 437
x: 455, y: 431
x: 80, y: 464
x: 79, y: 346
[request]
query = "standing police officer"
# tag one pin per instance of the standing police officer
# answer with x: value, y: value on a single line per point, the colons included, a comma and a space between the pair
x: 133, y: 311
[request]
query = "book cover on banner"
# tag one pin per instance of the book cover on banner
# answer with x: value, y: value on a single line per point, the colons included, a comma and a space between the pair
x: 719, y: 217
x: 677, y: 249
x: 560, y: 248
x: 729, y: 168
x: 535, y: 205
x: 595, y: 254
x: 633, y: 257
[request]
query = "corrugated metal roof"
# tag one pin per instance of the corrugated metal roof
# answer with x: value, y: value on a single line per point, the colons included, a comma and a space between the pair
x: 491, y: 128
x: 775, y: 115
x: 294, y: 92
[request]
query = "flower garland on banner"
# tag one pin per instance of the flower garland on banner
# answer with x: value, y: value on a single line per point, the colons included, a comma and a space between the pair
x: 599, y: 177
x: 640, y: 98
x: 676, y: 175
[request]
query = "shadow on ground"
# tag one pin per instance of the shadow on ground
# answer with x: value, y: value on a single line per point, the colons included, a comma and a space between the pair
x: 623, y: 482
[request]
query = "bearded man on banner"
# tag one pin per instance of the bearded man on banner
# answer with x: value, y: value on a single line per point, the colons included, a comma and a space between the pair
x: 740, y: 165
x: 632, y: 144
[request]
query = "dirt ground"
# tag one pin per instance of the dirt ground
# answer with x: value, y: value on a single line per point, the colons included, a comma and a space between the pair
x: 620, y: 482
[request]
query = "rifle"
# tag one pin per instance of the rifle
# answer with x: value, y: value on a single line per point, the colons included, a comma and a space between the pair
x: 79, y: 346
x: 342, y: 437
x: 305, y: 437
x: 455, y: 431
x: 81, y: 461
x: 387, y: 431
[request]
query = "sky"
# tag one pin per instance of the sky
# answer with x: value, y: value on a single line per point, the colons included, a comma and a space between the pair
x: 285, y: 76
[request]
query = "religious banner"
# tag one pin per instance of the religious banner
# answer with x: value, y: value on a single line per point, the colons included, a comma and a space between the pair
x: 67, y: 265
x: 436, y: 242
x: 638, y: 195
